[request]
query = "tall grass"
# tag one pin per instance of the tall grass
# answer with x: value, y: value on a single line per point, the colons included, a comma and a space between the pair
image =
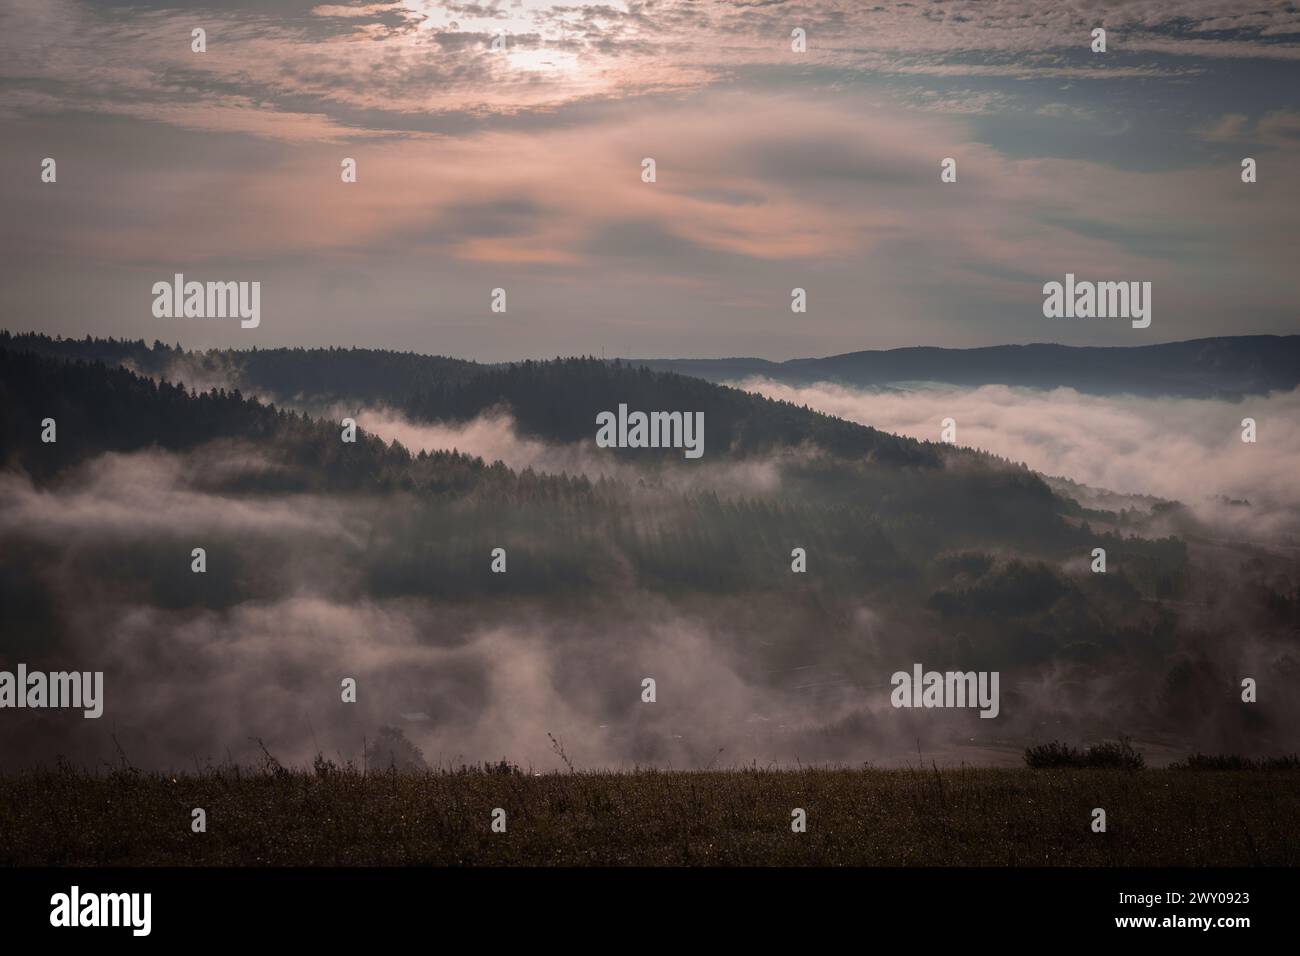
x: 341, y: 815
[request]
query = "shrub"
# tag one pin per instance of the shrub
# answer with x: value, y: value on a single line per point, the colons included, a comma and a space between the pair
x: 1055, y: 754
x: 1109, y: 755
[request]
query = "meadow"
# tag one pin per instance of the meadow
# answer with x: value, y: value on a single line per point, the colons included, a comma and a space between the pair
x: 335, y: 816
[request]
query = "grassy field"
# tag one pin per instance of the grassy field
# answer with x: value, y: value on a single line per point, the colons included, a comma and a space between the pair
x: 990, y: 817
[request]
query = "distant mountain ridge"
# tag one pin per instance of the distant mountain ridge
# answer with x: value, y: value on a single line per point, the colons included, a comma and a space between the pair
x: 1225, y: 367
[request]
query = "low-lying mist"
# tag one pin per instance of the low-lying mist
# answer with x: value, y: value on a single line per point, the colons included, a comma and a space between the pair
x: 494, y: 437
x: 298, y: 596
x: 1183, y: 449
x: 198, y: 669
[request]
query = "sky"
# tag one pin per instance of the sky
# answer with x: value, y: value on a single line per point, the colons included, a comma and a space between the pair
x: 521, y: 169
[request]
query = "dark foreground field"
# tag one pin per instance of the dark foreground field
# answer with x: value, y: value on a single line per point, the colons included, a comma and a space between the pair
x: 738, y: 817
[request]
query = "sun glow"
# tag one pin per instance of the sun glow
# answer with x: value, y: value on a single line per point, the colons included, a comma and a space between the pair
x: 546, y: 37
x: 545, y: 61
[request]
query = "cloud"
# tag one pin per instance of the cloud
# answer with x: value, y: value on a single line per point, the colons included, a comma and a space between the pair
x: 1277, y: 129
x: 522, y: 170
x: 827, y: 185
x: 425, y: 57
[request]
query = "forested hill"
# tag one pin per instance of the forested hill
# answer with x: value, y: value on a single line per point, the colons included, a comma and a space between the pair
x: 974, y: 562
x: 97, y: 408
x: 875, y: 516
x: 308, y: 377
x: 555, y: 401
x: 559, y: 401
